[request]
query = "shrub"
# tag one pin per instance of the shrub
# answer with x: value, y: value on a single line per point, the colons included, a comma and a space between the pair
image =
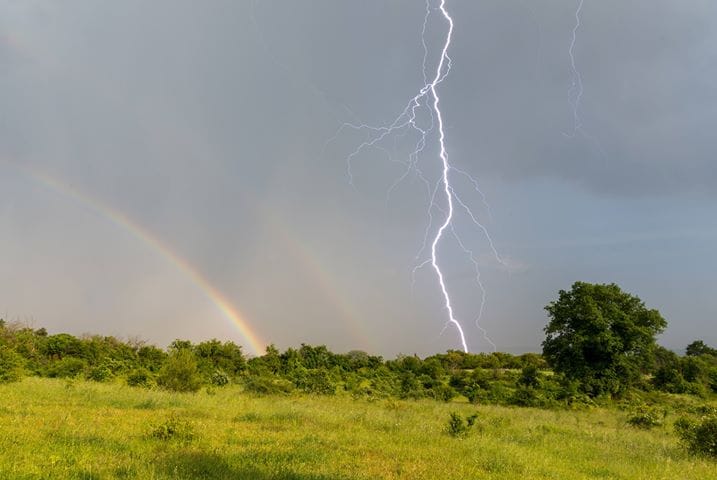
x: 316, y: 381
x: 140, y: 377
x: 67, y: 367
x: 457, y: 427
x: 525, y: 397
x: 668, y: 378
x: 219, y: 378
x: 646, y: 417
x: 266, y: 385
x: 180, y: 373
x: 10, y: 365
x: 529, y: 377
x: 471, y: 419
x: 443, y: 392
x: 699, y: 436
x: 172, y: 428
x: 410, y: 386
x: 568, y: 392
x: 712, y: 379
x: 99, y: 374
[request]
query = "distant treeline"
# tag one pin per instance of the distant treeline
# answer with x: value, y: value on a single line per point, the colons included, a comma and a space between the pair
x: 184, y: 366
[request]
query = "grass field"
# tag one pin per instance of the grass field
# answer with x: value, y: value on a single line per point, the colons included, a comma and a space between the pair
x: 81, y: 430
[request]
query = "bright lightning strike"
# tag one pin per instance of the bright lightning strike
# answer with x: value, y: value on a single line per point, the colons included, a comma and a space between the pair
x: 427, y: 100
x: 575, y: 94
x: 446, y: 180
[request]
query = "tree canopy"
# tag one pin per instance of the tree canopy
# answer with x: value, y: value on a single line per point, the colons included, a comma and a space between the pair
x: 600, y: 337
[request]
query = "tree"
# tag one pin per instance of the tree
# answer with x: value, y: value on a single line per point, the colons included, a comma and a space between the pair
x: 698, y: 347
x: 600, y: 336
x: 214, y: 355
x: 180, y: 372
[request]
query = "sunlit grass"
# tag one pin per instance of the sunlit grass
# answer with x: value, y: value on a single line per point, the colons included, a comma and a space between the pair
x: 82, y: 430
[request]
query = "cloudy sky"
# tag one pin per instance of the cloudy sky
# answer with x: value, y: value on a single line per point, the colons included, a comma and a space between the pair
x: 155, y: 155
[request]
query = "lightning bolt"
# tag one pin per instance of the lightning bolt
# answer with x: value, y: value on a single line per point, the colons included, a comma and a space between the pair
x: 428, y: 100
x: 575, y: 93
x: 576, y: 90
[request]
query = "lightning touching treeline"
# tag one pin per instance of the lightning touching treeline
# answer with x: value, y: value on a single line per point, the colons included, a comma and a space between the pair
x: 423, y: 116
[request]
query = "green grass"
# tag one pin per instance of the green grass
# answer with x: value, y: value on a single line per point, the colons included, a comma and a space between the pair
x: 55, y: 429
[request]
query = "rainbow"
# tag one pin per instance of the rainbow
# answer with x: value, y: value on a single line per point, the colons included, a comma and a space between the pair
x: 165, y: 250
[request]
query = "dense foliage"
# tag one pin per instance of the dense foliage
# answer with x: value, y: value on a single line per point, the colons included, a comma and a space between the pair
x: 498, y: 378
x: 601, y: 337
x: 699, y: 435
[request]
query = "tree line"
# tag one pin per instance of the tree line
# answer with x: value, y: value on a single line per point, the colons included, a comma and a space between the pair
x: 600, y: 342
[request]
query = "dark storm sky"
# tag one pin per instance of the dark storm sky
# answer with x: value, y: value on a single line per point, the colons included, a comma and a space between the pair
x: 208, y: 124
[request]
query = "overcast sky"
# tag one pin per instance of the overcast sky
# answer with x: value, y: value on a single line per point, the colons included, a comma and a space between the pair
x: 213, y: 126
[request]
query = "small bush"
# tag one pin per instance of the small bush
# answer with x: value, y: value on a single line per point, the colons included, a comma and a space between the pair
x: 180, y: 372
x: 444, y: 393
x: 646, y: 417
x: 265, y: 385
x: 700, y: 436
x: 712, y: 379
x: 524, y: 396
x: 219, y: 378
x: 529, y: 377
x: 410, y: 386
x: 704, y: 410
x: 459, y: 426
x: 10, y: 365
x: 140, y: 377
x: 317, y: 380
x: 568, y: 392
x: 67, y: 367
x: 99, y: 374
x: 172, y: 428
x: 471, y: 419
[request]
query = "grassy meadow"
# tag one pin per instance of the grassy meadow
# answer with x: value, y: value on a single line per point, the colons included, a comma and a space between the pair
x: 60, y: 429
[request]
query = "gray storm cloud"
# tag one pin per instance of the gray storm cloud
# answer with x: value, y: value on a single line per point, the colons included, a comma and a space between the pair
x: 207, y: 123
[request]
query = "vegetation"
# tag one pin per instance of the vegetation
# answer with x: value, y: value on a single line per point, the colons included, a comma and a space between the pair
x: 600, y: 364
x: 50, y: 428
x: 10, y: 365
x: 700, y: 436
x: 601, y: 337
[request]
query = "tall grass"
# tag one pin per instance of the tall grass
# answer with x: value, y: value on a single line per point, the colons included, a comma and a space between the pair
x: 55, y: 429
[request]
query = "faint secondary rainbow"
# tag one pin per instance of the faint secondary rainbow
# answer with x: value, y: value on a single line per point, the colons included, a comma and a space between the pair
x: 218, y: 299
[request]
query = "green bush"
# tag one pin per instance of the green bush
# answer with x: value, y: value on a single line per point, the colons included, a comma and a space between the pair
x: 459, y: 426
x: 172, y: 428
x: 140, y: 377
x: 266, y: 385
x: 646, y: 417
x: 700, y: 436
x: 317, y: 380
x: 411, y: 387
x: 67, y: 367
x: 99, y: 374
x: 180, y: 372
x: 219, y: 378
x: 712, y: 379
x: 568, y: 392
x: 529, y: 377
x: 525, y: 397
x: 10, y: 365
x: 444, y: 393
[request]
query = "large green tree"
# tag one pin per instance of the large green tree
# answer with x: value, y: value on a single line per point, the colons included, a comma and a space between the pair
x: 600, y: 336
